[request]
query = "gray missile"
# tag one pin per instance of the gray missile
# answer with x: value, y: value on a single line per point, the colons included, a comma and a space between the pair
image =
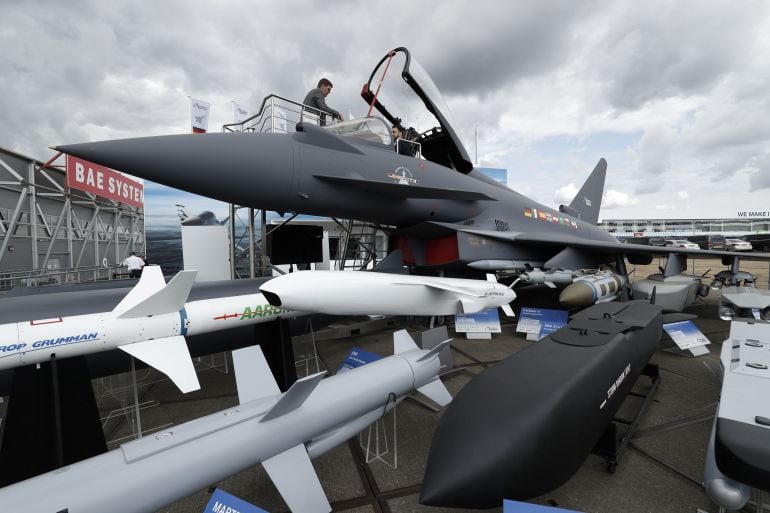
x: 281, y: 431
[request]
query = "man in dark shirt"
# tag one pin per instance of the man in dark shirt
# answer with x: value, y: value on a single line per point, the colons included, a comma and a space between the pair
x: 316, y: 100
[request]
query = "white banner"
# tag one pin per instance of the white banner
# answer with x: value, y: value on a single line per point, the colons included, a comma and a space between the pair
x: 199, y: 115
x: 240, y: 113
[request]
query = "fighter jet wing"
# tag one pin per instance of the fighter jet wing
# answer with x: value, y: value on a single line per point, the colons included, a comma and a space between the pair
x: 550, y: 239
x: 402, y: 190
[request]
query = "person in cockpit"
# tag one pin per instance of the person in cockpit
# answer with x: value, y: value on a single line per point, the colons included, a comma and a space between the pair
x: 403, y: 143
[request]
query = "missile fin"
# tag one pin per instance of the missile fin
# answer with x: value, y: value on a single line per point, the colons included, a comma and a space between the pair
x: 507, y: 310
x: 170, y: 356
x: 433, y: 352
x: 436, y: 392
x: 437, y: 285
x: 402, y: 342
x: 296, y: 481
x: 170, y: 298
x: 294, y: 397
x: 253, y: 377
x: 150, y: 282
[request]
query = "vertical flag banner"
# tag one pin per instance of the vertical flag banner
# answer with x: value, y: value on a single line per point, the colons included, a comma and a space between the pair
x: 199, y: 115
x: 240, y: 113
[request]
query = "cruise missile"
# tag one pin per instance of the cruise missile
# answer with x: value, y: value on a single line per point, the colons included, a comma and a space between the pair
x: 592, y: 288
x: 374, y: 293
x: 281, y: 431
x: 150, y: 323
x: 524, y: 426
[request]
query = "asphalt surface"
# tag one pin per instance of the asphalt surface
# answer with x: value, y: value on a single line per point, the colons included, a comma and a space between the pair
x: 660, y: 471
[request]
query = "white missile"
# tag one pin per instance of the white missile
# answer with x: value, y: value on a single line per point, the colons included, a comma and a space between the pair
x: 150, y: 324
x: 372, y: 293
x: 281, y: 431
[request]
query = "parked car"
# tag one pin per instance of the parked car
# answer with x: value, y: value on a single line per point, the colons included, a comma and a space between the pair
x: 738, y: 245
x: 656, y: 241
x: 710, y: 241
x: 681, y: 243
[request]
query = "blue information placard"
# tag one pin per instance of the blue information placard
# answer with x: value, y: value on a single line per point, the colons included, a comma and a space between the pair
x: 525, y: 507
x: 223, y: 502
x: 356, y: 358
x: 541, y: 321
x: 485, y: 321
x: 685, y: 334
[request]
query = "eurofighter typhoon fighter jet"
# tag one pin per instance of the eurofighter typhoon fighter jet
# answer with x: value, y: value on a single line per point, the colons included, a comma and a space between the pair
x: 422, y: 189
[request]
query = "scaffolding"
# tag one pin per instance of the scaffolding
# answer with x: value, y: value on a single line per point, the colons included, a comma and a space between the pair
x: 359, y: 246
x: 51, y: 234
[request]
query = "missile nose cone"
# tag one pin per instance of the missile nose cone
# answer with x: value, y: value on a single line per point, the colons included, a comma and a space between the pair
x: 577, y: 295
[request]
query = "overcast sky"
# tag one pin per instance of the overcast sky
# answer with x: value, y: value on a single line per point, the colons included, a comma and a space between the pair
x: 674, y: 94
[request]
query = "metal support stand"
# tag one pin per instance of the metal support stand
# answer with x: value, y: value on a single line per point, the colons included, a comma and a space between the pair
x: 613, y: 443
x: 57, y: 413
x: 307, y: 361
x: 379, y: 440
x: 137, y: 416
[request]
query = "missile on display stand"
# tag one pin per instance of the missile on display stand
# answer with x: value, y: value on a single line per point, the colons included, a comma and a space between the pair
x: 523, y: 427
x: 373, y: 293
x: 281, y: 431
x: 150, y: 323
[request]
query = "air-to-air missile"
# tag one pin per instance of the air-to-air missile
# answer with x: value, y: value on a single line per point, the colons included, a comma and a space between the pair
x: 524, y: 426
x: 150, y: 323
x: 739, y: 450
x: 440, y: 211
x: 281, y: 431
x: 367, y: 293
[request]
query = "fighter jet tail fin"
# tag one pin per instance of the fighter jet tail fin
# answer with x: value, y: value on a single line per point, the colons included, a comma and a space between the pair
x: 293, y: 475
x: 588, y: 201
x: 170, y: 298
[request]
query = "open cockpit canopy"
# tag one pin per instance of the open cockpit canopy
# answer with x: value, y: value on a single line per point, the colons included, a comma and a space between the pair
x: 403, y: 92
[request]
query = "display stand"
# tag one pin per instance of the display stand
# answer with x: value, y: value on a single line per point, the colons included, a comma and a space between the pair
x: 306, y: 360
x: 379, y: 441
x: 217, y: 362
x: 124, y: 420
x: 51, y: 421
x: 614, y: 441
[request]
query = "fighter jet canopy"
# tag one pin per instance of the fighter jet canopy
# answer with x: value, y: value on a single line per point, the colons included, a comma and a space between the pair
x: 402, y: 91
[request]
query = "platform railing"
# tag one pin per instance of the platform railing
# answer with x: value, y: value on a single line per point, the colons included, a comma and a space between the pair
x: 31, y: 278
x: 278, y: 114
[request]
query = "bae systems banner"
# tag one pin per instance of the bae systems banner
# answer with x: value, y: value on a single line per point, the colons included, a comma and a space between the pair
x: 102, y: 181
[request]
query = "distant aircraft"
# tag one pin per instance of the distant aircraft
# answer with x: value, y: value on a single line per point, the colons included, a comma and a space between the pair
x: 438, y: 210
x: 205, y: 218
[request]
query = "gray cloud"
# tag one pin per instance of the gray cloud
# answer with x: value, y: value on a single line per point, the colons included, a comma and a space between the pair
x: 692, y: 77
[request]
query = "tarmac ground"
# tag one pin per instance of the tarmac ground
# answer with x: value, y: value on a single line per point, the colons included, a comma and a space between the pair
x: 661, y: 470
